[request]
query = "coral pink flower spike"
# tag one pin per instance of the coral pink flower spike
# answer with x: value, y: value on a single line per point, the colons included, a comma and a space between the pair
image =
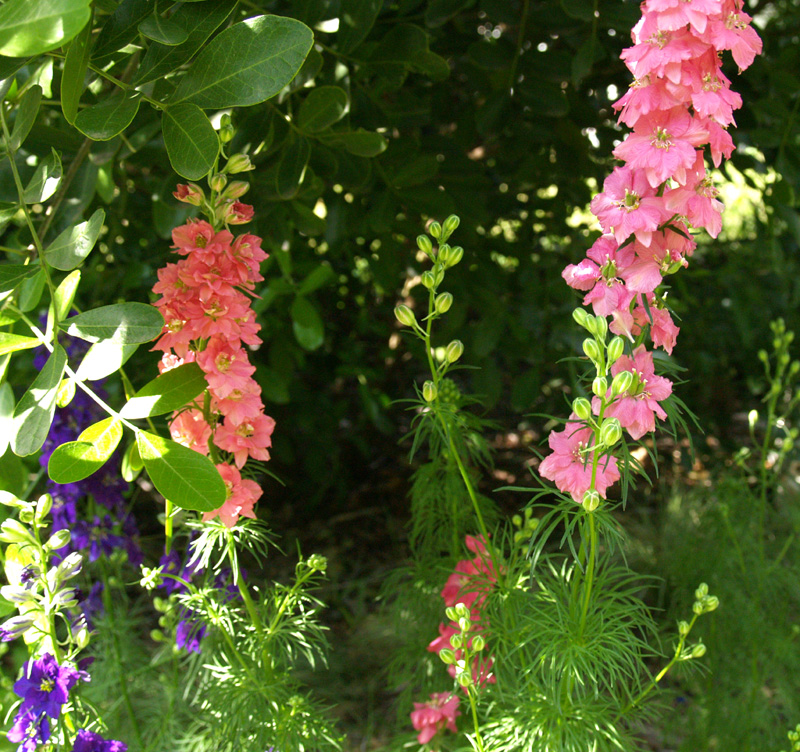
x: 570, y: 464
x: 439, y: 713
x: 208, y: 320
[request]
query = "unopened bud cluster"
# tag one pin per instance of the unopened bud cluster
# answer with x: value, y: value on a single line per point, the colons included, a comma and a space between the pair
x: 40, y: 589
x: 463, y: 645
x: 525, y: 527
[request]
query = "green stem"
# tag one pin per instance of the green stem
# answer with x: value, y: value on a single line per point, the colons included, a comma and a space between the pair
x: 661, y: 674
x: 474, y: 707
x: 28, y: 219
x: 121, y: 673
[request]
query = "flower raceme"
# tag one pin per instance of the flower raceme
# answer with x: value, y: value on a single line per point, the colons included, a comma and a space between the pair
x: 679, y: 104
x: 205, y: 301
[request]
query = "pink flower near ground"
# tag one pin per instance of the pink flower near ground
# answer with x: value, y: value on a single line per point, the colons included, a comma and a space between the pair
x: 570, y: 464
x: 438, y: 714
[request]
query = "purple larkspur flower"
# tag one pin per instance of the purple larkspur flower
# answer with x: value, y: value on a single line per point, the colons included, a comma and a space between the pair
x: 189, y: 633
x: 44, y: 686
x: 89, y: 741
x: 29, y: 730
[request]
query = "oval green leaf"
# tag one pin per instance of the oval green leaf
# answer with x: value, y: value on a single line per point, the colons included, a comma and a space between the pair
x: 102, y: 359
x: 324, y: 106
x: 307, y: 324
x: 74, y: 244
x: 168, y: 392
x: 123, y: 323
x: 361, y: 143
x: 13, y: 342
x: 30, y: 28
x: 131, y: 463
x: 191, y: 141
x: 76, y: 63
x: 6, y: 414
x: 12, y: 274
x: 185, y: 477
x: 356, y: 18
x: 45, y: 181
x: 77, y: 460
x: 65, y: 294
x: 163, y: 30
x: 26, y: 115
x: 292, y: 168
x: 269, y: 52
x: 34, y: 412
x: 103, y: 121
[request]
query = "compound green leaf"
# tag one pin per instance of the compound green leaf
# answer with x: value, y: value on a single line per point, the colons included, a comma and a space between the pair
x: 191, y: 141
x: 324, y: 106
x: 34, y: 413
x: 200, y: 22
x: 30, y: 28
x: 123, y: 323
x: 77, y: 460
x: 74, y: 244
x: 168, y: 392
x: 269, y: 50
x: 185, y: 477
x: 104, y: 121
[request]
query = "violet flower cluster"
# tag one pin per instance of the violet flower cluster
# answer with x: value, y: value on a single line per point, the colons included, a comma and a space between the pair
x: 44, y: 689
x: 679, y: 103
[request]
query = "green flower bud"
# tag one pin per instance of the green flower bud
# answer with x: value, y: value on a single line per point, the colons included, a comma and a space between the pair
x: 451, y: 613
x: 516, y: 520
x: 317, y: 562
x: 455, y: 255
x: 429, y: 391
x: 239, y: 163
x: 424, y: 244
x: 236, y: 189
x: 683, y: 628
x: 600, y: 386
x: 438, y: 275
x: 11, y: 531
x: 601, y: 327
x: 478, y: 643
x: 464, y: 624
x: 226, y: 133
x: 16, y: 626
x: 752, y: 418
x: 582, y: 407
x: 456, y: 641
x: 610, y: 432
x: 464, y: 679
x: 59, y: 539
x: 580, y: 316
x: 621, y: 383
x: 11, y: 501
x: 697, y: 608
x: 450, y: 225
x: 461, y: 610
x: 615, y: 349
x: 443, y: 302
x: 699, y: 650
x: 151, y: 578
x: 405, y: 315
x: 592, y: 350
x: 702, y: 591
x: 454, y: 351
x: 17, y: 594
x: 82, y: 638
x: 156, y: 635
x: 43, y: 507
x: 435, y: 230
x: 591, y: 500
x: 710, y: 603
x: 447, y: 656
x: 218, y: 182
x: 428, y: 280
